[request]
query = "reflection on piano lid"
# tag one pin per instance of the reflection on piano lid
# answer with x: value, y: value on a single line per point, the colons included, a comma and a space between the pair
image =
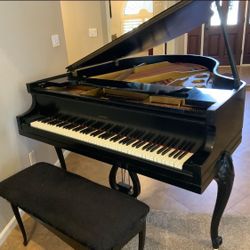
x: 167, y: 25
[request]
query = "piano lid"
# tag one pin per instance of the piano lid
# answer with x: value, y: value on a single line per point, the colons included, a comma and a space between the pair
x: 169, y: 24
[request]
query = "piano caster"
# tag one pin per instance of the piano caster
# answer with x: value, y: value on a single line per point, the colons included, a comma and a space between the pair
x: 224, y: 179
x: 217, y: 242
x: 132, y: 190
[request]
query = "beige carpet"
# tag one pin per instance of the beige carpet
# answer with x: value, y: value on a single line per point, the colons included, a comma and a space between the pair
x: 164, y: 231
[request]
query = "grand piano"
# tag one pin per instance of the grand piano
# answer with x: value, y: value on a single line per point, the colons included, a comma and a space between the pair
x: 173, y: 118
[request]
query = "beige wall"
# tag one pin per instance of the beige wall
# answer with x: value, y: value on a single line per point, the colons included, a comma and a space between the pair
x: 78, y: 17
x: 175, y: 46
x: 26, y: 54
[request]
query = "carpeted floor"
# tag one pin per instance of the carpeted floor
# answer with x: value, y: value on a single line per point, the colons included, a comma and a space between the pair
x: 164, y: 231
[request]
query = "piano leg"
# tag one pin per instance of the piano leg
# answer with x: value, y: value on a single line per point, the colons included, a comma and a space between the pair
x: 224, y: 179
x: 123, y: 187
x: 61, y: 158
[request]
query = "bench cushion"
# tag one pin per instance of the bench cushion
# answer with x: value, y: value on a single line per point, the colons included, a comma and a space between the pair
x: 93, y: 215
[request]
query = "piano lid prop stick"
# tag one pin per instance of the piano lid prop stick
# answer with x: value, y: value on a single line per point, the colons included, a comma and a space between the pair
x: 229, y: 50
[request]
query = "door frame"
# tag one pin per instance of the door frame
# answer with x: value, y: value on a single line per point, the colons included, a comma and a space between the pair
x: 202, y: 37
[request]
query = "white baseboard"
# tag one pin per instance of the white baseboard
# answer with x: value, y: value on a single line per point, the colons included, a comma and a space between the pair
x: 9, y: 227
x: 12, y: 223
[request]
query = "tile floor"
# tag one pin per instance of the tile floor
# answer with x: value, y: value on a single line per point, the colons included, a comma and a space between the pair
x: 162, y: 196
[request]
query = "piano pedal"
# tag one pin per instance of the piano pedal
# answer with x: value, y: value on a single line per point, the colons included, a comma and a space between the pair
x: 132, y: 190
x: 124, y: 188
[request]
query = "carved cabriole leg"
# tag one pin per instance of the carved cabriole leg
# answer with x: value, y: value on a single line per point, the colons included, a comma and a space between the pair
x: 134, y: 190
x: 224, y: 179
x: 20, y: 223
x: 61, y: 158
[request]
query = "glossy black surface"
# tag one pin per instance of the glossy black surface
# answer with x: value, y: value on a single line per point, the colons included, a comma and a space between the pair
x: 203, y: 124
x: 163, y: 27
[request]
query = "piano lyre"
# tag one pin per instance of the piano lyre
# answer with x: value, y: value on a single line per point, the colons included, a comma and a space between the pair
x: 167, y: 117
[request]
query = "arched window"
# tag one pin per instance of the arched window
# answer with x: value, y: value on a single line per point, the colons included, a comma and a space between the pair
x: 134, y: 7
x: 135, y: 13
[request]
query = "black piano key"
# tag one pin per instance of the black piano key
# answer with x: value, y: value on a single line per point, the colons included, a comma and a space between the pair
x: 178, y: 148
x: 64, y: 124
x: 126, y: 132
x: 74, y: 124
x: 97, y: 132
x: 174, y: 143
x: 186, y: 151
x: 90, y: 130
x: 87, y: 126
x: 166, y: 145
x: 136, y: 137
x: 48, y: 119
x: 64, y: 121
x: 117, y: 137
x: 131, y: 141
x: 124, y: 140
x: 56, y: 121
x: 110, y: 132
x: 181, y: 150
x: 107, y: 132
x: 119, y: 132
x: 87, y: 130
x: 71, y: 119
x: 109, y: 136
x: 158, y: 144
x: 80, y: 124
x: 154, y: 142
x: 100, y: 130
x: 70, y: 125
x: 150, y: 142
x: 117, y: 129
x: 145, y: 140
x: 78, y: 128
x: 103, y: 129
x: 140, y: 138
x: 93, y: 127
x: 105, y: 135
x: 130, y: 136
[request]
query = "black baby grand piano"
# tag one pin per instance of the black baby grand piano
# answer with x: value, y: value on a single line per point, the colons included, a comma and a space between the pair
x: 180, y: 128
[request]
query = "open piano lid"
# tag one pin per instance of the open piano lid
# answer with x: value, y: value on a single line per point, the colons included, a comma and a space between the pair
x: 169, y: 24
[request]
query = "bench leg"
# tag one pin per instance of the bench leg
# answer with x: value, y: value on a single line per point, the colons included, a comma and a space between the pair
x: 142, y: 235
x: 20, y: 223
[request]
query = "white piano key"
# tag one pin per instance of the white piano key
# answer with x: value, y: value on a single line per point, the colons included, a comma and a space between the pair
x: 116, y: 145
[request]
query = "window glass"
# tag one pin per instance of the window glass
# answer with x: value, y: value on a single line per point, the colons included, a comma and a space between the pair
x: 134, y: 7
x: 131, y: 24
x: 233, y: 10
x: 215, y: 19
x: 136, y: 13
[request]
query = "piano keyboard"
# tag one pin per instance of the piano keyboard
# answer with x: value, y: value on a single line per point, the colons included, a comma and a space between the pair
x: 164, y: 150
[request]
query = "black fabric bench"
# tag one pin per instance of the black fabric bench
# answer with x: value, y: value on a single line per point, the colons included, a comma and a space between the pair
x: 81, y: 212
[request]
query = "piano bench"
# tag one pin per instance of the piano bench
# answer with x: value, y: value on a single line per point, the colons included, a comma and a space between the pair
x: 81, y: 212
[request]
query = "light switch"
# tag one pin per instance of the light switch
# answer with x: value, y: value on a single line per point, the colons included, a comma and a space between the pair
x: 55, y: 40
x: 92, y: 32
